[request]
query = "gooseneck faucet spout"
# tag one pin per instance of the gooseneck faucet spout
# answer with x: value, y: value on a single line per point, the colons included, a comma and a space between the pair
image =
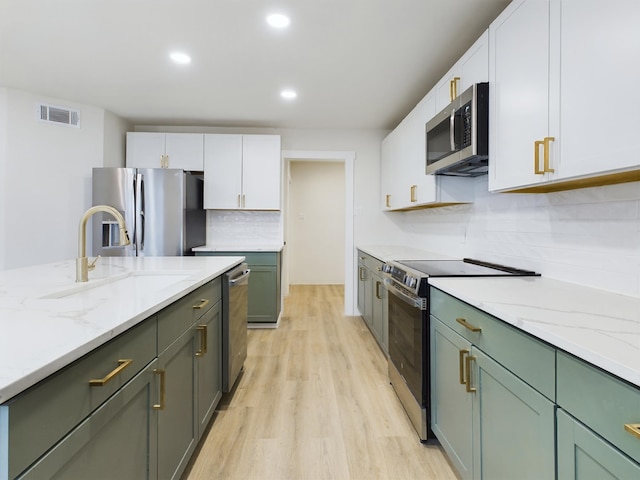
x: 82, y: 263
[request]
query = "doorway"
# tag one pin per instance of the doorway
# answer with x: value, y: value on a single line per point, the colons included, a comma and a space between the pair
x: 346, y: 160
x: 316, y: 223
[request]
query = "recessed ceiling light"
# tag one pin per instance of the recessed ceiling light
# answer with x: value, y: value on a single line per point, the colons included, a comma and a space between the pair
x: 278, y: 20
x: 181, y: 58
x: 288, y: 94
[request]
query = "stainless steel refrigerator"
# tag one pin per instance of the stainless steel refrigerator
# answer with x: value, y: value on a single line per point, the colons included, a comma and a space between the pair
x: 162, y: 208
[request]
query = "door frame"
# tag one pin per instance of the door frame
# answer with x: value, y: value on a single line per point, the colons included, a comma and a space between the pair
x: 348, y: 158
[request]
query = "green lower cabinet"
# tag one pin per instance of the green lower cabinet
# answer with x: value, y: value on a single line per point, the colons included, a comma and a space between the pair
x: 452, y: 405
x: 265, y: 291
x: 263, y: 295
x: 177, y: 422
x: 118, y: 440
x: 584, y: 455
x: 513, y: 425
x: 209, y: 365
x: 379, y: 314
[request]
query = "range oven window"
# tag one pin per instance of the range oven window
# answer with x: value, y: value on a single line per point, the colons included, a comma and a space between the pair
x: 406, y: 343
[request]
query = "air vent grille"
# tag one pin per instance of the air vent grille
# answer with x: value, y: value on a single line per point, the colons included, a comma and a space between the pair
x: 60, y: 115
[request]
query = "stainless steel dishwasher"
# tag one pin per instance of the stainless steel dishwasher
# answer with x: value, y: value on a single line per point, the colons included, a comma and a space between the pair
x: 234, y: 323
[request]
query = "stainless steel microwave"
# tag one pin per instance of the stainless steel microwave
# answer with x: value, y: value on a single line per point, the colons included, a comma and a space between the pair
x: 458, y: 137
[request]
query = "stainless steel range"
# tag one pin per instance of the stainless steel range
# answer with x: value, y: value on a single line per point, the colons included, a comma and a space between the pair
x: 408, y: 284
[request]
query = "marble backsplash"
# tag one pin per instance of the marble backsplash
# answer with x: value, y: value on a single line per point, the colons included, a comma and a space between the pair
x: 243, y: 227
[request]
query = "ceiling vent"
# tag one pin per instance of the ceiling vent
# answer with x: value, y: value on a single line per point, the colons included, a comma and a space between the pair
x: 59, y: 115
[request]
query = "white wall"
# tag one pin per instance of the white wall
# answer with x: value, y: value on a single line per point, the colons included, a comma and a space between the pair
x: 316, y: 229
x: 47, y: 177
x: 589, y: 236
x: 3, y: 175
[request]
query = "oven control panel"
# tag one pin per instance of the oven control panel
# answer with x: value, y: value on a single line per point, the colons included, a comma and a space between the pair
x: 401, y: 276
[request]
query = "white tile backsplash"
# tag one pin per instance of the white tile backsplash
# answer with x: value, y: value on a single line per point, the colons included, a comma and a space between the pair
x: 243, y: 227
x: 589, y: 236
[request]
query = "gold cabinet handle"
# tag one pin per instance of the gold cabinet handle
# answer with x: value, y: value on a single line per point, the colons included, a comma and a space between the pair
x: 536, y: 157
x: 203, y: 340
x: 99, y: 382
x: 388, y: 201
x: 361, y: 273
x: 546, y: 154
x: 467, y: 325
x: 467, y: 364
x: 203, y: 303
x: 463, y: 353
x: 378, y: 296
x: 414, y: 197
x: 163, y: 389
x: 453, y: 88
x: 633, y: 429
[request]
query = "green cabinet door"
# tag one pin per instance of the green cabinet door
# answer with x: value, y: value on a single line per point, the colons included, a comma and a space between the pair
x: 208, y: 365
x: 263, y: 296
x: 452, y: 405
x: 513, y: 425
x: 379, y: 322
x: 118, y: 440
x: 177, y: 423
x: 584, y: 455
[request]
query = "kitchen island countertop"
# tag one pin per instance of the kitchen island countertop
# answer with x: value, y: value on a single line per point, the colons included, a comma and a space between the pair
x: 600, y: 327
x: 47, y: 320
x: 276, y: 247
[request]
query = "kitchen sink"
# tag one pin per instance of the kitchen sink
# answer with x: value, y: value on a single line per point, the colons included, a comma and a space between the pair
x: 130, y: 283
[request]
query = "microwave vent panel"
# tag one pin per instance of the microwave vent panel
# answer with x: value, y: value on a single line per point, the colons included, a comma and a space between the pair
x: 59, y: 115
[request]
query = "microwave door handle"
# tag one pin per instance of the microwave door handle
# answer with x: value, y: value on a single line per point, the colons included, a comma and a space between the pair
x: 452, y: 128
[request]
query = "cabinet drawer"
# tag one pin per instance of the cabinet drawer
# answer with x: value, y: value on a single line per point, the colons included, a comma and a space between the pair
x: 600, y: 401
x: 528, y: 358
x: 179, y: 316
x: 366, y: 260
x: 42, y: 415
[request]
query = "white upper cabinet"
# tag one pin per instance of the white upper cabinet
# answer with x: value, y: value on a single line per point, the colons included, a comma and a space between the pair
x: 405, y: 184
x: 563, y: 93
x: 165, y: 150
x: 242, y: 172
x: 473, y: 67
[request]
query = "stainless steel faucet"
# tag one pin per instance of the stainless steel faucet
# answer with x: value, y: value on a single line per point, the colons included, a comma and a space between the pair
x: 82, y: 263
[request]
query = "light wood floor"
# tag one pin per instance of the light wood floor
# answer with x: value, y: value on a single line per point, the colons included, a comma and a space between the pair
x: 314, y: 402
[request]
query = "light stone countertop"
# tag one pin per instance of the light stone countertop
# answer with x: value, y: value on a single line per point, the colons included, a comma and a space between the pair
x: 38, y: 336
x: 240, y: 248
x: 600, y: 327
x: 393, y: 252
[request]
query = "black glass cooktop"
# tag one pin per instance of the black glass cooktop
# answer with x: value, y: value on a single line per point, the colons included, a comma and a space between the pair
x: 467, y: 267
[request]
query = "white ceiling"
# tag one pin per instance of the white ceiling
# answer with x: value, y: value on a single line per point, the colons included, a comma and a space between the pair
x: 354, y: 63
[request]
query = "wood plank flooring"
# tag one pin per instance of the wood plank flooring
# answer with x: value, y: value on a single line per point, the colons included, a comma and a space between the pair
x: 314, y: 402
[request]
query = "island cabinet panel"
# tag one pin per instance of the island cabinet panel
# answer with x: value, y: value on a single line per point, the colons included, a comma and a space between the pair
x: 118, y: 440
x: 181, y: 315
x: 602, y: 402
x: 208, y: 365
x: 42, y: 415
x: 190, y: 376
x: 133, y: 408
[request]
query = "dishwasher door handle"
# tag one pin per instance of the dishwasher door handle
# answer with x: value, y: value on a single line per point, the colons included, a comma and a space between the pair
x: 239, y: 278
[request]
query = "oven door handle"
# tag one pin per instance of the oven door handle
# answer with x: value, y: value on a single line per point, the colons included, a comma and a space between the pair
x: 417, y: 302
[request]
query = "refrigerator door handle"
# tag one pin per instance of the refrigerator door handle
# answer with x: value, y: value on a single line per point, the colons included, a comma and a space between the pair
x: 139, y: 231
